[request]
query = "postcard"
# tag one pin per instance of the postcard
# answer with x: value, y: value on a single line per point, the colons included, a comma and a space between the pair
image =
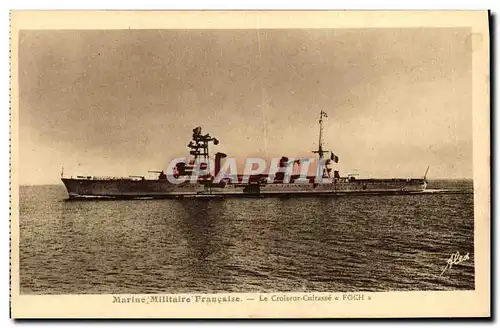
x: 250, y: 164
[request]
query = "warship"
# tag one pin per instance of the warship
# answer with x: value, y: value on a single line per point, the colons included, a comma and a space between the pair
x: 193, y: 178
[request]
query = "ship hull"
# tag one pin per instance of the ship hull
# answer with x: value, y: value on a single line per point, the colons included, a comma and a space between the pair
x: 154, y: 189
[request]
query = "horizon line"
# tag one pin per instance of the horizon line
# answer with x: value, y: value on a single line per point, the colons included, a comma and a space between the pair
x: 57, y: 184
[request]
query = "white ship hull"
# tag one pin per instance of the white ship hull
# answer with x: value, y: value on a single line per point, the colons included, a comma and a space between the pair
x: 130, y: 188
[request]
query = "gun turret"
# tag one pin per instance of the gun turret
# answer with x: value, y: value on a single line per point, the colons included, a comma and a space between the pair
x: 161, y: 175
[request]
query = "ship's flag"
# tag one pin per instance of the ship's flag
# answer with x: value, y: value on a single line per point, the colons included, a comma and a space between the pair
x: 334, y: 158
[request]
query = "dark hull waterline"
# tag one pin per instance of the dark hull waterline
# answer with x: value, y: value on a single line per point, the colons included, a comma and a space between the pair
x: 283, y: 195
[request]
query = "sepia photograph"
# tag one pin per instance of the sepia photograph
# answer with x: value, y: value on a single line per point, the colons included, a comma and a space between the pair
x: 250, y: 160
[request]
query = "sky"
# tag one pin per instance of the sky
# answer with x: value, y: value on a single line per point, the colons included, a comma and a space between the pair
x: 122, y: 102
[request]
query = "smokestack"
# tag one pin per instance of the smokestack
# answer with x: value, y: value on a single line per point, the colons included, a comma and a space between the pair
x: 283, y: 161
x: 181, y: 168
x: 218, y: 157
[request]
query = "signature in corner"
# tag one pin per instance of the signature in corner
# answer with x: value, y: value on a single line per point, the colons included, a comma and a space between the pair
x: 455, y: 259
